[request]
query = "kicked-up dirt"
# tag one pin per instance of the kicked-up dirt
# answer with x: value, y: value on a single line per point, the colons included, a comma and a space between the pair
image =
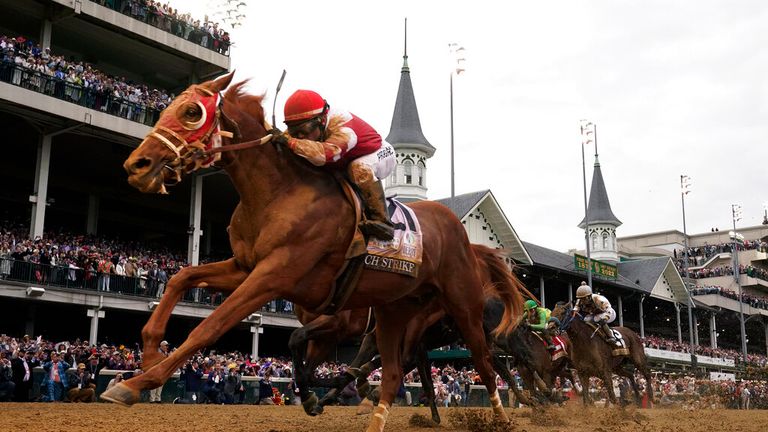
x: 103, y: 417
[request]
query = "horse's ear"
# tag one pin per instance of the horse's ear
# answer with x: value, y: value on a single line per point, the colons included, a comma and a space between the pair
x: 221, y: 82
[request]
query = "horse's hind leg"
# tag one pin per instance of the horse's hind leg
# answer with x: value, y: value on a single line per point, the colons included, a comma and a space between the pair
x: 474, y: 335
x: 305, y: 359
x: 365, y: 354
x: 427, y: 385
x: 223, y: 276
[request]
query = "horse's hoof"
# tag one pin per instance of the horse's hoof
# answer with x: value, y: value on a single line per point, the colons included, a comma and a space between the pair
x: 317, y: 410
x: 309, y: 404
x: 365, y: 407
x: 121, y: 394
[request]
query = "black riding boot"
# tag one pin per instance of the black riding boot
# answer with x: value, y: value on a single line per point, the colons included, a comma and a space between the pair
x: 548, y: 339
x: 378, y: 224
x: 608, y: 334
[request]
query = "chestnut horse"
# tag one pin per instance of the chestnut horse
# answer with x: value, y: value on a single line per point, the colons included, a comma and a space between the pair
x: 289, y: 236
x: 429, y: 329
x: 592, y: 356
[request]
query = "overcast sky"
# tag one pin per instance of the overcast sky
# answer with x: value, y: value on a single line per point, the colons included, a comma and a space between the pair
x: 675, y: 87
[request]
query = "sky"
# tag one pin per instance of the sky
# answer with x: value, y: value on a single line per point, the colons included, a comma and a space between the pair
x: 674, y: 87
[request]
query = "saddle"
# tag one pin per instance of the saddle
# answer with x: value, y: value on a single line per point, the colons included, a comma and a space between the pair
x: 401, y: 255
x: 617, y: 350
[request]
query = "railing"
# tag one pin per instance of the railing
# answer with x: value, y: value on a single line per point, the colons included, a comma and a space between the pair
x: 139, y: 11
x: 93, y: 281
x: 77, y: 94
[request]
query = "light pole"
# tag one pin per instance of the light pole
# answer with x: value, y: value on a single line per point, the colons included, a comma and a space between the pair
x: 457, y: 67
x: 765, y: 213
x: 736, y: 212
x: 685, y: 187
x: 588, y: 135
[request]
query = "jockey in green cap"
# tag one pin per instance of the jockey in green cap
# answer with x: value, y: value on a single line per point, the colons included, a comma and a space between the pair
x: 537, y: 318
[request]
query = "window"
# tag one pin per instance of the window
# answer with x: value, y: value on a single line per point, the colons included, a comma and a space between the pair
x: 593, y: 236
x: 606, y: 241
x: 408, y: 171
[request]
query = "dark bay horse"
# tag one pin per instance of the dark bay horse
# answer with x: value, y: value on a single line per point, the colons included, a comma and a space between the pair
x: 289, y: 236
x: 534, y: 362
x: 592, y: 356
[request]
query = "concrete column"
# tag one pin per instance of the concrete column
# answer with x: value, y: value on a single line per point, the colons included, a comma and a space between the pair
x: 570, y: 292
x: 45, y: 34
x: 642, y: 321
x: 712, y: 330
x: 695, y: 330
x: 679, y: 330
x: 542, y: 291
x: 92, y: 222
x: 620, y: 304
x: 95, y: 314
x: 40, y: 194
x: 255, y: 330
x: 195, y: 211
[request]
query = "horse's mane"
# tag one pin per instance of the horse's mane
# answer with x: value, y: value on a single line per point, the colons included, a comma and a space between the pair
x: 248, y: 103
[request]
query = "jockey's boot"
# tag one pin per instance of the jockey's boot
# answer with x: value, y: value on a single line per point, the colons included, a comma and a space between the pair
x: 608, y: 334
x: 548, y: 339
x: 378, y: 224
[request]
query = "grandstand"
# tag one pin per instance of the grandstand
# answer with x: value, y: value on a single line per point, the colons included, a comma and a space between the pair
x: 72, y: 110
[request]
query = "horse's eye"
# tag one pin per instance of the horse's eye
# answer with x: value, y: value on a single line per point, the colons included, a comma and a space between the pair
x: 193, y: 111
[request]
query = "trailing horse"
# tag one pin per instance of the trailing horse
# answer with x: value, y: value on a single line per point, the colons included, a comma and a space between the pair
x: 592, y: 356
x: 289, y: 236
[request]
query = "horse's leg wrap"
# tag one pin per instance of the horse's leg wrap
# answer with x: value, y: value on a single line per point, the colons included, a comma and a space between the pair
x: 379, y: 418
x: 498, y: 408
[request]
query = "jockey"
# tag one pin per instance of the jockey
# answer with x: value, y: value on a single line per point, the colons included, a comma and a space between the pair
x: 339, y: 139
x: 597, y: 309
x: 537, y: 319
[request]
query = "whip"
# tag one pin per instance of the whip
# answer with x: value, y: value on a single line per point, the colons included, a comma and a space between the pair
x: 274, y: 102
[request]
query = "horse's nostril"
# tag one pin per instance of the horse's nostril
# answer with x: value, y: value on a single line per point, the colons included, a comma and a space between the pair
x: 141, y: 163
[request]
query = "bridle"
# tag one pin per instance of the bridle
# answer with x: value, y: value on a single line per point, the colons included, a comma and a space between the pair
x: 206, y: 149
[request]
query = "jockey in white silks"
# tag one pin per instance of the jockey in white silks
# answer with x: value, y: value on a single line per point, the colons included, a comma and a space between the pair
x: 596, y: 309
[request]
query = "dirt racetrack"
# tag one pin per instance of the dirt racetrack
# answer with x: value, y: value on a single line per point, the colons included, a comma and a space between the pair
x: 103, y: 417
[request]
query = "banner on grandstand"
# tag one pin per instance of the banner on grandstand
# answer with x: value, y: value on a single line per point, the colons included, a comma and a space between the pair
x: 599, y: 268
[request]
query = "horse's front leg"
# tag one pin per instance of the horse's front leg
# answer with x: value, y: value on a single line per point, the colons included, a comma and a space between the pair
x: 390, y: 333
x: 259, y: 287
x: 223, y: 276
x: 359, y: 370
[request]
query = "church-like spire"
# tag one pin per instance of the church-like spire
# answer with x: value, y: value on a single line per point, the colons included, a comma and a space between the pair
x: 406, y: 126
x: 599, y: 207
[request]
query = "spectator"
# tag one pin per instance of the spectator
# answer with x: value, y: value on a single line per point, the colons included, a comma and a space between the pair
x: 7, y: 386
x: 22, y: 365
x: 82, y: 388
x: 56, y: 380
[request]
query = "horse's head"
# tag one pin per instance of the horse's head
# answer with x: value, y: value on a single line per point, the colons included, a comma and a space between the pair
x: 563, y: 312
x: 180, y: 142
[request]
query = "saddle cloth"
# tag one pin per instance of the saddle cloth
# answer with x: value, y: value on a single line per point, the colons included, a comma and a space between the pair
x: 402, y: 254
x: 620, y: 347
x: 559, y: 344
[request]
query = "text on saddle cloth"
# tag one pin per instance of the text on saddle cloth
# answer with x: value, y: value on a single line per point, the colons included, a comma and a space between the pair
x: 402, y: 254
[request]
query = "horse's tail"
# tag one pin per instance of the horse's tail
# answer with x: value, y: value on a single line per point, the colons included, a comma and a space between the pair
x: 505, y: 286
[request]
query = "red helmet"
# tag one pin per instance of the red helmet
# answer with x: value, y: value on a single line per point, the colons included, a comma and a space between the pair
x: 304, y: 105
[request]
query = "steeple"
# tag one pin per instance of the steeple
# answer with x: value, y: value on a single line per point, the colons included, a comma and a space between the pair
x: 408, y: 181
x: 599, y: 207
x: 602, y: 221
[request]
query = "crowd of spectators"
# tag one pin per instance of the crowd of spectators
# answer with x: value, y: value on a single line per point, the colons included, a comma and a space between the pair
x: 753, y: 360
x: 99, y: 263
x: 760, y: 302
x: 161, y: 15
x: 698, y: 255
x: 27, y: 64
